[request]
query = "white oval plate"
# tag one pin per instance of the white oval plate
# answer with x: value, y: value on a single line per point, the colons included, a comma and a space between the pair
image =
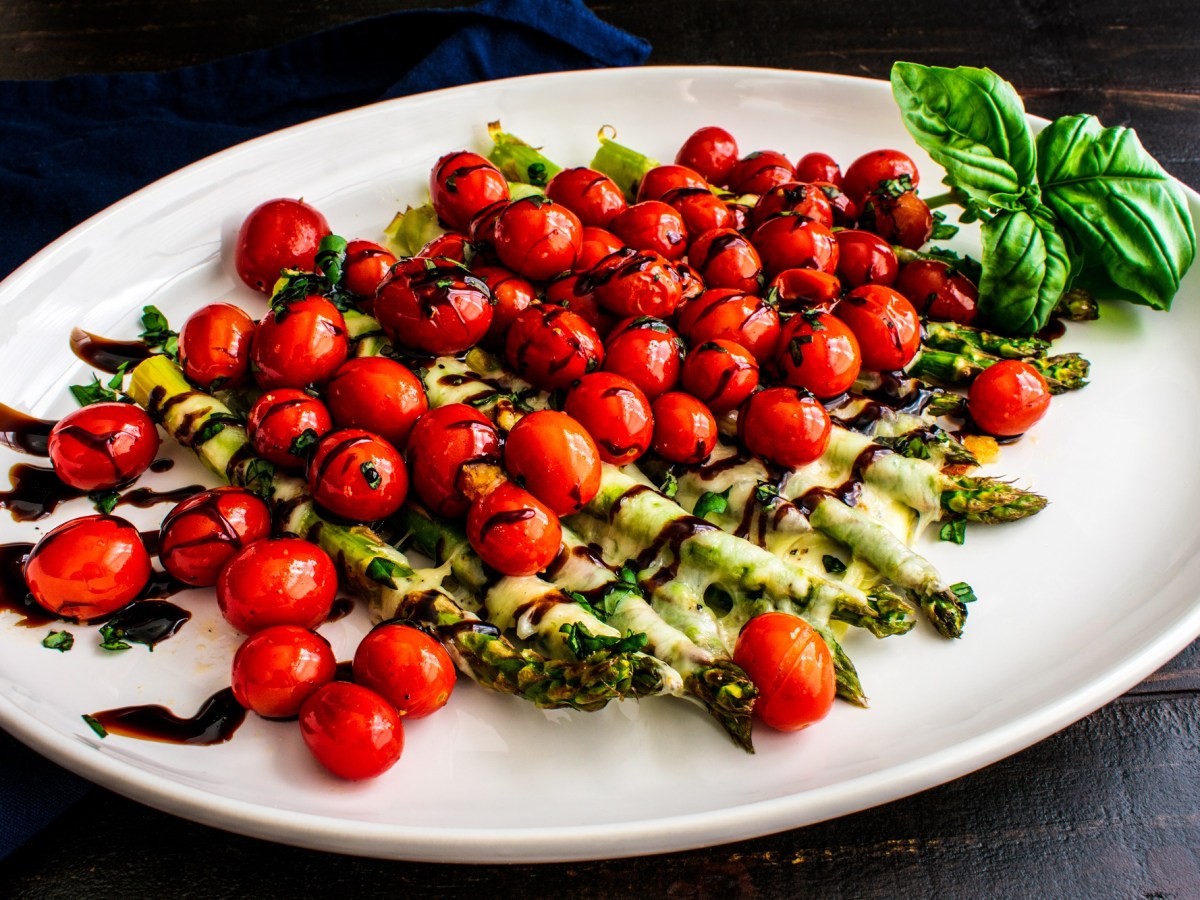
x: 1076, y: 605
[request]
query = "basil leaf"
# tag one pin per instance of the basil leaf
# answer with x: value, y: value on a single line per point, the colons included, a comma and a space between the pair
x: 1129, y: 217
x: 712, y: 501
x: 972, y: 122
x: 1026, y: 268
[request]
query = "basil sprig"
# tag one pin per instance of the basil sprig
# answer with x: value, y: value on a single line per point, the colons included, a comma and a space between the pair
x: 1081, y: 206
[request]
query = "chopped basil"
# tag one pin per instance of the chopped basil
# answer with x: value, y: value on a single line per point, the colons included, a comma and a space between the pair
x: 954, y: 531
x: 384, y: 571
x: 670, y: 485
x: 111, y: 638
x: 61, y: 641
x: 833, y: 565
x: 371, y: 474
x: 584, y: 644
x: 711, y: 501
x: 94, y: 724
x: 963, y: 592
x: 87, y: 394
x: 303, y: 442
x: 104, y: 501
x: 157, y: 333
x: 942, y: 231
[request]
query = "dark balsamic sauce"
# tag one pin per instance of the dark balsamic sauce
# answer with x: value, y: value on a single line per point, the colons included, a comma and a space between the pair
x: 150, y: 622
x: 214, y: 723
x: 162, y: 465
x: 24, y: 433
x: 36, y: 492
x: 342, y: 607
x: 144, y: 498
x: 1053, y: 330
x: 105, y: 354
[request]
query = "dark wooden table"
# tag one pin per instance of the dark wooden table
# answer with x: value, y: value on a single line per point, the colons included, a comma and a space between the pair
x: 1109, y: 807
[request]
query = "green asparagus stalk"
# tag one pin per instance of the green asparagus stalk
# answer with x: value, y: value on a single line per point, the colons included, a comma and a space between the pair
x: 412, y: 229
x: 623, y: 165
x: 1066, y: 372
x: 1077, y: 305
x: 958, y: 338
x: 518, y: 161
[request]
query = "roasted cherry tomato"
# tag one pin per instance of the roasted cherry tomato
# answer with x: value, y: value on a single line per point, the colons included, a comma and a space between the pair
x: 101, y: 446
x: 690, y: 281
x: 285, y: 424
x: 721, y: 373
x: 793, y: 198
x: 442, y: 441
x: 299, y: 345
x: 275, y: 670
x: 938, y: 290
x: 865, y: 258
x: 357, y: 475
x: 791, y: 667
x: 214, y: 346
x: 574, y: 292
x: 648, y: 352
x: 453, y: 245
x: 845, y: 211
x: 351, y: 730
x: 88, y: 567
x: 552, y: 347
x: 725, y: 258
x: 886, y: 325
x: 538, y: 238
x: 199, y: 535
x: 554, y: 458
x: 461, y: 184
x: 724, y: 314
x: 904, y: 219
x: 871, y: 170
x: 482, y: 231
x: 784, y: 425
x: 366, y: 265
x: 819, y: 353
x: 808, y: 288
x: 652, y: 225
x: 818, y: 167
x: 279, y: 234
x: 794, y: 242
x: 406, y: 667
x: 378, y: 394
x: 635, y: 283
x: 282, y: 581
x: 438, y: 307
x: 701, y: 209
x: 758, y: 172
x: 513, y: 531
x: 615, y: 413
x: 597, y: 244
x: 510, y: 294
x: 1008, y: 398
x: 663, y: 179
x: 684, y: 428
x: 711, y: 151
x: 591, y: 195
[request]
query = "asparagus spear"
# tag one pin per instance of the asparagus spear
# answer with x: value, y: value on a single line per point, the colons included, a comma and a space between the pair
x: 517, y: 160
x: 623, y: 165
x: 955, y: 337
x: 1065, y: 372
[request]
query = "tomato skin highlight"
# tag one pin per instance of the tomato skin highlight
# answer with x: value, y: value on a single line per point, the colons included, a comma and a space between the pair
x: 865, y: 258
x: 554, y: 458
x: 437, y: 308
x: 711, y: 151
x: 275, y: 670
x: 938, y: 291
x: 441, y: 442
x: 379, y: 395
x: 103, y: 445
x: 461, y: 184
x: 278, y: 234
x: 201, y: 534
x: 1008, y: 398
x: 282, y: 581
x: 886, y: 325
x: 684, y: 428
x: 88, y: 567
x: 538, y: 238
x: 367, y: 264
x: 784, y: 425
x: 723, y: 314
x: 652, y: 225
x: 648, y: 352
x: 300, y: 345
x: 820, y: 354
x: 615, y: 413
x: 791, y: 667
x: 214, y: 346
x: 279, y: 418
x: 552, y: 347
x: 818, y: 167
x: 721, y: 374
x: 357, y: 476
x: 406, y: 667
x: 513, y: 531
x: 591, y: 195
x: 351, y: 731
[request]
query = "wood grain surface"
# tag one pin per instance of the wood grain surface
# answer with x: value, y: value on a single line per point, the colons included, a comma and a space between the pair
x: 1109, y: 807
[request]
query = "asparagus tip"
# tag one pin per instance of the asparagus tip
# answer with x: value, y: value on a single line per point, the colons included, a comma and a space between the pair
x: 728, y: 694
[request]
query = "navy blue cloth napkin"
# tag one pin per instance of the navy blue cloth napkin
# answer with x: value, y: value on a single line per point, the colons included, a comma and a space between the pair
x: 69, y: 148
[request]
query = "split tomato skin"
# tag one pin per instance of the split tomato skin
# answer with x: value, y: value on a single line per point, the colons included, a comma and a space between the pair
x: 791, y: 667
x: 684, y: 428
x: 904, y: 219
x: 201, y: 534
x: 88, y: 567
x: 275, y: 670
x: 886, y: 325
x: 731, y: 315
x: 357, y: 476
x: 591, y: 195
x: 351, y: 731
x: 281, y: 581
x: 635, y: 283
x: 711, y: 151
x: 214, y: 346
x: 538, y: 238
x: 103, y: 445
x: 721, y: 374
x: 461, y: 184
x: 284, y: 423
x: 440, y: 444
x: 1008, y: 398
x: 725, y: 258
x: 554, y: 458
x: 648, y: 352
x: 794, y: 242
x: 552, y: 347
x: 513, y: 531
x: 784, y: 425
x: 406, y: 667
x: 379, y: 395
x: 299, y: 345
x: 434, y: 306
x: 615, y: 413
x: 279, y: 234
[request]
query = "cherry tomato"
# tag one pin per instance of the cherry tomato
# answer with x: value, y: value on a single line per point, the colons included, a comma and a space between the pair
x: 663, y: 179
x: 684, y: 429
x: 199, y: 535
x: 278, y: 234
x: 510, y: 294
x: 886, y: 325
x: 809, y: 288
x: 615, y: 413
x: 845, y: 211
x: 102, y: 446
x: 724, y: 258
x: 652, y: 225
x: 88, y: 567
x: 904, y: 220
x: 794, y: 242
x: 552, y: 347
x: 701, y: 209
x: 795, y: 198
x: 513, y: 531
x: 214, y: 346
x: 791, y: 667
x: 461, y: 184
x: 554, y: 458
x: 597, y: 244
x: 635, y: 283
x: 357, y: 475
x: 351, y: 731
x: 1008, y: 398
x: 710, y: 151
x: 406, y: 667
x: 452, y: 245
x: 275, y: 670
x: 871, y: 170
x: 482, y: 231
x: 538, y: 238
x: 784, y: 425
x: 591, y: 195
x: 648, y: 352
x: 938, y: 290
x: 436, y: 308
x: 285, y: 424
x: 442, y: 441
x: 281, y: 581
x: 690, y: 281
x: 378, y: 394
x: 820, y: 354
x: 574, y: 292
x: 724, y: 314
x: 865, y: 258
x: 818, y: 167
x: 366, y: 265
x: 720, y: 373
x: 299, y: 345
x: 758, y: 172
